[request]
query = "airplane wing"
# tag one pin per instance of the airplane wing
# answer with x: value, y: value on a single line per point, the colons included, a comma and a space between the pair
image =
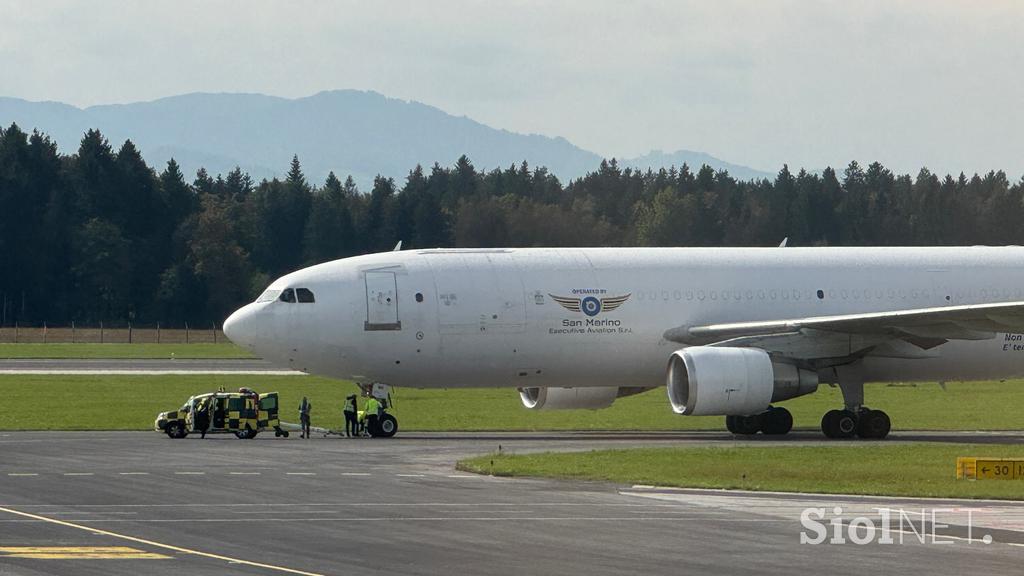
x: 898, y: 333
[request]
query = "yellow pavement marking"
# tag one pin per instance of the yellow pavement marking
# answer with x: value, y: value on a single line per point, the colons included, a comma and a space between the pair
x: 158, y: 544
x: 79, y: 553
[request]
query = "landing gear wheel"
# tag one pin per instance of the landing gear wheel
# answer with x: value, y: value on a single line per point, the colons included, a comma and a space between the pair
x: 387, y: 426
x: 776, y: 421
x: 873, y: 424
x: 746, y: 425
x: 247, y: 434
x: 175, y: 430
x: 730, y: 424
x: 839, y: 424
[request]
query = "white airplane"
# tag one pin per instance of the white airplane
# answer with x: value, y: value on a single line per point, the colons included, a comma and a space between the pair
x: 729, y: 331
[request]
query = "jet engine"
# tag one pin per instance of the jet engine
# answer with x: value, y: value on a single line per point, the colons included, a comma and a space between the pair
x: 712, y: 380
x: 590, y: 397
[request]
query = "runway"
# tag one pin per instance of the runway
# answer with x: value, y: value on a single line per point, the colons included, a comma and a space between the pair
x: 76, y: 366
x: 140, y: 502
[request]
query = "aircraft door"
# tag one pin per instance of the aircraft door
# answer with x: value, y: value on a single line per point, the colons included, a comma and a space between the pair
x: 381, y: 302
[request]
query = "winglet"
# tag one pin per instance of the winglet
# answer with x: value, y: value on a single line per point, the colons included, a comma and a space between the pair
x: 398, y: 247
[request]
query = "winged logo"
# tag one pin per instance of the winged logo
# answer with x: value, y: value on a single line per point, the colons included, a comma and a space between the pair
x: 590, y: 305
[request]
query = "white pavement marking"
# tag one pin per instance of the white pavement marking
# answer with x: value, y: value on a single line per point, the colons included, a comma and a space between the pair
x: 190, y: 473
x: 133, y: 473
x: 158, y: 544
x: 78, y: 473
x: 355, y: 473
x: 244, y: 473
x: 300, y: 473
x: 410, y: 475
x: 22, y: 474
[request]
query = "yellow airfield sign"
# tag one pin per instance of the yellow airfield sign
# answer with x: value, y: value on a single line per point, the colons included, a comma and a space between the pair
x: 970, y: 468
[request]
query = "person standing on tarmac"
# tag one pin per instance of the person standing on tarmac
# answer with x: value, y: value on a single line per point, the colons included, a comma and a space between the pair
x: 351, y: 423
x: 305, y: 407
x: 372, y: 414
x: 201, y: 419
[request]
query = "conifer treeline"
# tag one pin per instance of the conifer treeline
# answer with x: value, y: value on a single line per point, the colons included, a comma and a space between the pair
x: 101, y: 236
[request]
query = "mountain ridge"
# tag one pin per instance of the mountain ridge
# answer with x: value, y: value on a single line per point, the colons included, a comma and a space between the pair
x: 357, y: 132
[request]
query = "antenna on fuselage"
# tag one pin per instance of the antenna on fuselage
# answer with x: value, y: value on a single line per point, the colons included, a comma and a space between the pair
x: 781, y: 244
x: 398, y: 246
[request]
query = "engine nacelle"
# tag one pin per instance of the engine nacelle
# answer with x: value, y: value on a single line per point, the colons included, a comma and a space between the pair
x: 712, y: 380
x: 589, y: 397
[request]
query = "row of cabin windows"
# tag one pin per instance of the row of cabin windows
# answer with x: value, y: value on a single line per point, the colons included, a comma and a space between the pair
x: 289, y: 295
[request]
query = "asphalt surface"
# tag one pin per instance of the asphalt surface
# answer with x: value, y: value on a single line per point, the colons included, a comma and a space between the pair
x: 140, y: 366
x: 140, y: 502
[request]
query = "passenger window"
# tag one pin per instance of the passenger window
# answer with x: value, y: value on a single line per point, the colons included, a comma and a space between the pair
x: 288, y: 296
x: 304, y: 295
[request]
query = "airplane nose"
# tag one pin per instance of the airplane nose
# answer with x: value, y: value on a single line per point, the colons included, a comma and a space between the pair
x: 239, y: 327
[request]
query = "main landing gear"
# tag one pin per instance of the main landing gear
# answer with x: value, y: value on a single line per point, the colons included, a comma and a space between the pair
x: 773, y: 421
x: 854, y: 419
x: 864, y: 423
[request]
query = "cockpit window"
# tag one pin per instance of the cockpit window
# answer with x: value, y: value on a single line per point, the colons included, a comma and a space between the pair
x: 268, y: 295
x: 288, y: 295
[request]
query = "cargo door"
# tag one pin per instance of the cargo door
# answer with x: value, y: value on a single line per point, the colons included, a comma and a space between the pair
x: 381, y: 302
x: 480, y: 293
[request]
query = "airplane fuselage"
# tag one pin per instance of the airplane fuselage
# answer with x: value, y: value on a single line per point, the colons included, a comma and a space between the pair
x: 576, y: 317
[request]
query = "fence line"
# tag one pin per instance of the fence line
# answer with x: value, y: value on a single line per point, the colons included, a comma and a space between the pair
x: 100, y: 334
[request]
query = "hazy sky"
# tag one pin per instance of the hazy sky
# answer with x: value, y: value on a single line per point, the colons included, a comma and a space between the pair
x: 761, y: 83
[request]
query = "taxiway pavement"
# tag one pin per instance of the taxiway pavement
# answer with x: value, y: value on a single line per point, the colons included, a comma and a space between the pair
x: 398, y: 506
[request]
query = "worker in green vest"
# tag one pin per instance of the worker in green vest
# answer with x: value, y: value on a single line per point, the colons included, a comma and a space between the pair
x: 372, y: 414
x: 351, y: 420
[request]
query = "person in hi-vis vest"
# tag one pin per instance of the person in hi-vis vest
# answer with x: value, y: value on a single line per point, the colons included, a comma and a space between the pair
x: 351, y: 420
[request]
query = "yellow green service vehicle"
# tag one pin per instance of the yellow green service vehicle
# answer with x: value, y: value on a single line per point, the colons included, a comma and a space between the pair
x: 244, y: 413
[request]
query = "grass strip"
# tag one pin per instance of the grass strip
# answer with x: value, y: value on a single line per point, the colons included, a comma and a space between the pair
x: 912, y: 469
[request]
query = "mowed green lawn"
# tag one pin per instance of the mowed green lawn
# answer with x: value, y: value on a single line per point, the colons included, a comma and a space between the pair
x: 877, y: 468
x: 49, y: 402
x: 203, y: 351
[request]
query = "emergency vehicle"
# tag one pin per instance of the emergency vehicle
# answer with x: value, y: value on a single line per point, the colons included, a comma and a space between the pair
x: 244, y: 413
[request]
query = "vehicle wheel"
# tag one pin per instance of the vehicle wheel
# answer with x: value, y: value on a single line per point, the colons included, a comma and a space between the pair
x: 387, y: 426
x: 175, y: 430
x: 873, y: 424
x: 839, y: 424
x: 247, y: 434
x: 747, y: 425
x: 730, y: 424
x: 776, y: 421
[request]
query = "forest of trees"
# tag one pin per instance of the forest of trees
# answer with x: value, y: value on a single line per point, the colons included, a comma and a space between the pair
x: 101, y: 236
